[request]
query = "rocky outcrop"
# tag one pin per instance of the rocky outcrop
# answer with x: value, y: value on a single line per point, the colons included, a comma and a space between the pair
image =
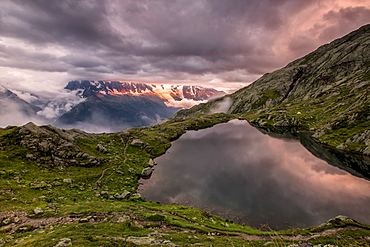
x: 48, y: 144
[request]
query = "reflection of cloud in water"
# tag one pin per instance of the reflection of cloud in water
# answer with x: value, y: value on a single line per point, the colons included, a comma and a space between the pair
x: 256, y: 179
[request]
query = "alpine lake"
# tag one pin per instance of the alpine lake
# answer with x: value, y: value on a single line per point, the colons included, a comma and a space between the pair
x: 261, y: 179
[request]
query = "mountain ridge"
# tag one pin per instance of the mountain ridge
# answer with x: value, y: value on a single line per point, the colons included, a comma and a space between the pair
x: 325, y: 92
x: 164, y: 91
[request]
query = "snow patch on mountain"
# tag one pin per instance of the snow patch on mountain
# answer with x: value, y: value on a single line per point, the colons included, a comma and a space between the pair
x: 167, y: 92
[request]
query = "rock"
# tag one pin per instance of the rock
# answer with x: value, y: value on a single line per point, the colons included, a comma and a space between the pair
x: 140, y: 240
x: 64, y: 242
x: 7, y: 221
x: 101, y: 148
x: 125, y: 195
x: 151, y: 163
x: 137, y: 195
x: 367, y: 150
x: 38, y: 211
x: 342, y: 146
x: 68, y: 181
x: 83, y: 220
x: 123, y: 218
x: 123, y: 133
x: 30, y: 156
x: 137, y: 143
x: 104, y: 193
x: 147, y: 172
x: 336, y: 221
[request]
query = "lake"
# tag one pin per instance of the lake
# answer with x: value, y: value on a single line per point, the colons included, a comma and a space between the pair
x: 234, y: 171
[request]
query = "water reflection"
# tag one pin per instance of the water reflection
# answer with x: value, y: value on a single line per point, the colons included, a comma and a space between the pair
x: 235, y: 171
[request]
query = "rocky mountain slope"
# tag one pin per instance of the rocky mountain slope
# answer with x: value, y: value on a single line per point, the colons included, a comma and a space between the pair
x: 326, y: 92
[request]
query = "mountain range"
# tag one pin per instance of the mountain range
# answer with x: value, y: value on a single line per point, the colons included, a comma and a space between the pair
x: 97, y: 106
x: 86, y: 88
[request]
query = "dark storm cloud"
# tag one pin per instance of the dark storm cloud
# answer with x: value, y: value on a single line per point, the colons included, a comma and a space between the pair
x: 346, y: 17
x: 65, y: 22
x: 185, y: 39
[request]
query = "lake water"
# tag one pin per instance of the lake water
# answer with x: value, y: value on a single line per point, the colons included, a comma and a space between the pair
x: 234, y: 171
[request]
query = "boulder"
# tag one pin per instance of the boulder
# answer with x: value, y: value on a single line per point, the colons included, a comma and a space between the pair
x: 64, y: 242
x: 101, y: 148
x: 68, y: 181
x: 147, y: 172
x: 38, y: 211
x: 137, y: 143
x: 125, y: 195
x: 151, y: 163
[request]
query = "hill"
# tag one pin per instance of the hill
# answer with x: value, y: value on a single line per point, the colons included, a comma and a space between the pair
x: 67, y: 187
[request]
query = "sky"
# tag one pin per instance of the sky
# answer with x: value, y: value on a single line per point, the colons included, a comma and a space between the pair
x: 225, y: 44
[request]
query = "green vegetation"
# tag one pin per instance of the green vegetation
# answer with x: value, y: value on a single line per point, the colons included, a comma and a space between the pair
x: 49, y: 198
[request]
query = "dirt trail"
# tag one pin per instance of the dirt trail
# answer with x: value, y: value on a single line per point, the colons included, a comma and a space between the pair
x: 97, y: 182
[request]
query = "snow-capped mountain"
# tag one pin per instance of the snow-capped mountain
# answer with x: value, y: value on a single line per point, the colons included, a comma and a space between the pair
x: 114, y: 105
x: 98, y: 106
x: 86, y: 88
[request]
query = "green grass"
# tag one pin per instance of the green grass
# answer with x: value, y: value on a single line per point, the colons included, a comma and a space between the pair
x: 76, y: 191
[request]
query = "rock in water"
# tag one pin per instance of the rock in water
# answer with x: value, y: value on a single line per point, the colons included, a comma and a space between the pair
x: 151, y: 163
x: 147, y: 172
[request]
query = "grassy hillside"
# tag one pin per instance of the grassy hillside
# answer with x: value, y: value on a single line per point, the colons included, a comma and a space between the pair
x: 60, y: 187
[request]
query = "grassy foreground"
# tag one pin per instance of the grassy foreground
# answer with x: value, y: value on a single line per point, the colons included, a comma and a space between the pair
x: 61, y: 188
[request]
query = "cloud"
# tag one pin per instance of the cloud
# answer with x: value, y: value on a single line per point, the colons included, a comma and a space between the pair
x: 222, y: 106
x: 174, y: 41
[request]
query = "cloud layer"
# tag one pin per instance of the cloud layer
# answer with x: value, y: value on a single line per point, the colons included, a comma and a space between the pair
x: 46, y: 43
